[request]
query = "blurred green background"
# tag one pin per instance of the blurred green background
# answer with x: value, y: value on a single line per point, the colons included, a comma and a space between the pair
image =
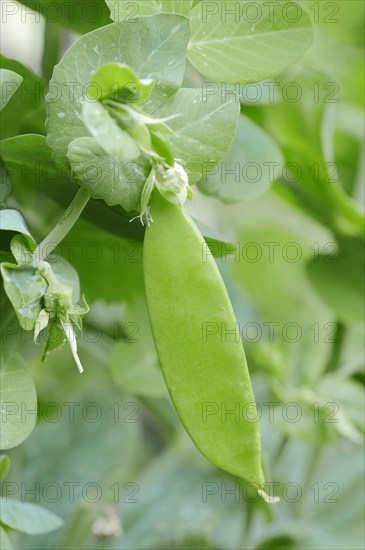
x: 108, y: 446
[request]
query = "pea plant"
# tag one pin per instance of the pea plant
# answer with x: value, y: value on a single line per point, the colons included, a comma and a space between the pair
x: 107, y: 168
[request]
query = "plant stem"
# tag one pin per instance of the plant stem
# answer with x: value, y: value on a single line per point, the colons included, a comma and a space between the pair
x: 281, y: 449
x: 65, y: 224
x: 317, y: 452
x: 51, y: 48
x: 335, y: 358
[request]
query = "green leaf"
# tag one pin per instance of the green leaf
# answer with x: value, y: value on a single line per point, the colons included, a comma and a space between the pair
x: 5, y: 543
x: 283, y: 542
x: 66, y: 274
x: 18, y: 402
x: 338, y: 280
x: 56, y: 338
x: 28, y: 149
x: 142, y: 137
x: 120, y: 10
x: 344, y: 70
x: 27, y: 517
x: 117, y: 462
x: 298, y: 128
x: 62, y: 191
x: 162, y: 148
x: 260, y: 93
x: 12, y: 220
x: 120, y: 258
x: 256, y: 42
x: 29, y: 162
x: 26, y: 111
x: 9, y: 83
x: 106, y: 132
x: 337, y: 403
x: 348, y: 398
x: 41, y: 323
x: 107, y: 177
x: 147, y: 191
x: 120, y: 83
x: 253, y: 163
x: 25, y: 289
x: 218, y: 244
x: 4, y: 466
x: 76, y: 15
x: 5, y: 185
x: 203, y: 131
x: 154, y: 47
x: 21, y: 250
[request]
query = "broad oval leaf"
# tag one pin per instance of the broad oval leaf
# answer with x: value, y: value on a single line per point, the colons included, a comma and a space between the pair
x: 9, y: 83
x: 239, y: 42
x: 30, y: 150
x: 253, y: 163
x: 154, y: 47
x: 109, y: 136
x: 105, y: 176
x: 121, y: 10
x: 203, y: 130
x: 27, y: 517
x: 18, y: 402
x: 28, y: 158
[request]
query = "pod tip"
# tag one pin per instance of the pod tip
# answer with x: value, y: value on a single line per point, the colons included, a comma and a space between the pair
x: 267, y: 498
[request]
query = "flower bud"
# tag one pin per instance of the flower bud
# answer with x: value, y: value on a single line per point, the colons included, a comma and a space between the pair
x: 172, y: 183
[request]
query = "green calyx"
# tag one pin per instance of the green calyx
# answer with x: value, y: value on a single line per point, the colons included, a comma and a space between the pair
x: 58, y: 297
x: 40, y: 299
x: 120, y: 129
x: 59, y: 313
x: 171, y: 182
x: 119, y: 82
x: 124, y: 131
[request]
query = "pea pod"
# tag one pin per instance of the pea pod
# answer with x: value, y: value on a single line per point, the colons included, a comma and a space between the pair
x: 207, y: 377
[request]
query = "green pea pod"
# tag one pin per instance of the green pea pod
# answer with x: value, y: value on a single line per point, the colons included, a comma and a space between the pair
x: 207, y: 377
